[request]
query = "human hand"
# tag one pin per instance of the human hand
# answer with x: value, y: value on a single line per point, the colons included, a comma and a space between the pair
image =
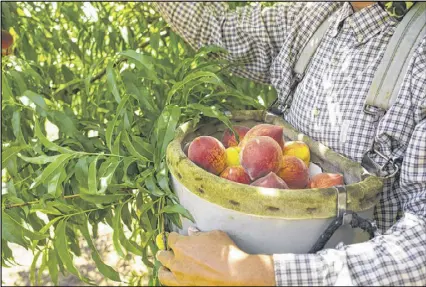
x: 212, y: 259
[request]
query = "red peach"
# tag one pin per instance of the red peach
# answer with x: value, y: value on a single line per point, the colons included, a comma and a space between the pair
x: 324, y: 180
x: 208, y: 153
x: 229, y: 139
x: 271, y: 181
x: 275, y: 132
x: 236, y: 173
x: 294, y: 172
x: 261, y: 155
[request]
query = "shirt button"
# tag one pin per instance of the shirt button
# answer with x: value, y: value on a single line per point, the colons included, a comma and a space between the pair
x: 360, y: 38
x: 315, y: 112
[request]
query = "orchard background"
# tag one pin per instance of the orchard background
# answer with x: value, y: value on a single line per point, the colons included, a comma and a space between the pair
x: 92, y: 93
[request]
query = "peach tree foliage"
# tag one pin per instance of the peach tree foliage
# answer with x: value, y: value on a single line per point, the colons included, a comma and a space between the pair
x: 115, y: 82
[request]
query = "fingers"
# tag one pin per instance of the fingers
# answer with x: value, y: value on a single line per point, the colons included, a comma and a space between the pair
x: 165, y: 258
x: 167, y: 278
x: 172, y: 239
x: 192, y: 230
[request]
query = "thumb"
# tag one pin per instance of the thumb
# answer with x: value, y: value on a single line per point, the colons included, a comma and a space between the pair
x: 192, y: 230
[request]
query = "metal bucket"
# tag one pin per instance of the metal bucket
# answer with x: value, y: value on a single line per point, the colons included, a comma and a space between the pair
x: 266, y: 220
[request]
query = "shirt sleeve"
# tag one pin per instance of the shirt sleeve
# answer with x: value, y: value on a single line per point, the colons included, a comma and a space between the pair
x: 397, y: 257
x: 252, y: 35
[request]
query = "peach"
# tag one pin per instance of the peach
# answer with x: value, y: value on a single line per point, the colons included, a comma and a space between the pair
x: 272, y: 131
x: 6, y: 43
x: 229, y: 139
x: 324, y: 180
x: 261, y: 155
x: 236, y: 173
x: 208, y: 153
x: 271, y: 180
x: 233, y: 156
x: 298, y: 149
x: 294, y: 172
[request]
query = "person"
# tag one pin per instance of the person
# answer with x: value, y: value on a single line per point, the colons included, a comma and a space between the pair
x: 326, y: 105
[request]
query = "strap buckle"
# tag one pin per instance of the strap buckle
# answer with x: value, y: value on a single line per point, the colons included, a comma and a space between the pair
x: 371, y: 166
x: 342, y: 205
x: 373, y: 110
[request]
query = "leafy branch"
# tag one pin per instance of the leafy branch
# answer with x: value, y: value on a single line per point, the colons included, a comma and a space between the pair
x: 102, y: 73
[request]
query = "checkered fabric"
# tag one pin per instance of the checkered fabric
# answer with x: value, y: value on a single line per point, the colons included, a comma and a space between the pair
x: 328, y: 106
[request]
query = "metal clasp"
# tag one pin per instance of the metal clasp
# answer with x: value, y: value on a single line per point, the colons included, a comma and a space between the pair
x: 342, y: 202
x: 373, y: 110
x: 371, y: 166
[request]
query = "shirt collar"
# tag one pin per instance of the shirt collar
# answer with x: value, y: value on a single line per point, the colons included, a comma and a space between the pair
x: 365, y: 23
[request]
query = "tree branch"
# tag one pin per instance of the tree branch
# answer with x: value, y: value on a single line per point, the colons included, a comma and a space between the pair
x: 36, y: 201
x: 65, y: 197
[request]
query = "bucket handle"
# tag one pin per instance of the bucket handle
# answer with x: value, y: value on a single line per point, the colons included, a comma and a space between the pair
x: 344, y: 216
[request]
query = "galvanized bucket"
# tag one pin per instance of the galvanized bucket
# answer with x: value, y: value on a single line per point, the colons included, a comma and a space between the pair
x: 265, y: 220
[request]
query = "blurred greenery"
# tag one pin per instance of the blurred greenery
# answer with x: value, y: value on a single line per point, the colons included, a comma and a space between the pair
x: 91, y: 96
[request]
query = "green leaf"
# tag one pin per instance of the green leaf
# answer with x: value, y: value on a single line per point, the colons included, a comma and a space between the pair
x: 129, y: 146
x: 142, y: 147
x: 68, y: 74
x: 33, y: 267
x: 112, y: 83
x: 82, y: 171
x: 118, y: 228
x: 107, y: 175
x: 61, y: 246
x: 52, y: 265
x: 103, y: 198
x: 10, y: 152
x: 177, y: 208
x: 152, y: 186
x: 38, y: 100
x: 106, y: 270
x: 145, y: 60
x: 50, y: 169
x: 43, y: 159
x: 6, y: 91
x: 116, y: 147
x: 16, y: 123
x: 212, y: 112
x: 13, y: 229
x: 11, y: 232
x: 54, y: 185
x: 111, y: 125
x: 188, y: 79
x: 165, y: 129
x: 92, y: 179
x: 50, y: 145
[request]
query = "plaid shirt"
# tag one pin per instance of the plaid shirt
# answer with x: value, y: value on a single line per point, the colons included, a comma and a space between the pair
x: 328, y: 106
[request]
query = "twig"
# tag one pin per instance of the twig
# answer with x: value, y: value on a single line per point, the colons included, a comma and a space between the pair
x: 37, y: 201
x: 65, y: 197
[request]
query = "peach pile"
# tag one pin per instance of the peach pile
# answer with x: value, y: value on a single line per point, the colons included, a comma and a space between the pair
x: 261, y: 158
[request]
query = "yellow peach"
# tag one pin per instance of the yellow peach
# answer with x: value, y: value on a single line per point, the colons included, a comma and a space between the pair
x: 233, y: 156
x: 298, y: 149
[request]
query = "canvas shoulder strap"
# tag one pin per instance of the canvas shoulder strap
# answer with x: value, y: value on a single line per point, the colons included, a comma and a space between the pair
x: 302, y: 62
x: 393, y: 66
x: 311, y: 46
